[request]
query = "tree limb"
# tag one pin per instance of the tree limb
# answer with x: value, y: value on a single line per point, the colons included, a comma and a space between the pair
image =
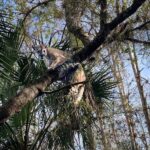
x: 141, y: 26
x: 103, y: 13
x: 102, y: 35
x: 32, y: 91
x: 138, y: 41
x: 34, y: 7
x: 64, y: 87
x: 73, y: 13
x: 27, y: 94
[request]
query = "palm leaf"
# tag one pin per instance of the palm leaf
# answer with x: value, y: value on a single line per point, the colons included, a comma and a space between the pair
x: 29, y: 69
x: 10, y: 42
x: 103, y: 84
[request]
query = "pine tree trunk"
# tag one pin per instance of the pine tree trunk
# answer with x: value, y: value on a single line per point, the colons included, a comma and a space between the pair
x: 124, y: 98
x: 136, y: 71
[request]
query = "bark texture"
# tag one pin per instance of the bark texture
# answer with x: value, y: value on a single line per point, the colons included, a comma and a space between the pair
x: 73, y: 13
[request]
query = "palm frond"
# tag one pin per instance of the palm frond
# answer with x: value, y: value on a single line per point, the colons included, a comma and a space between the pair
x: 29, y: 69
x: 103, y: 84
x: 10, y: 42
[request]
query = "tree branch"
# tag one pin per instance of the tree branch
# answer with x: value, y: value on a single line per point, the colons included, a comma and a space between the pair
x: 32, y: 91
x: 102, y: 35
x: 141, y: 26
x: 73, y: 13
x: 138, y: 41
x: 65, y: 87
x: 34, y: 7
x: 125, y: 14
x: 29, y: 93
x: 103, y: 13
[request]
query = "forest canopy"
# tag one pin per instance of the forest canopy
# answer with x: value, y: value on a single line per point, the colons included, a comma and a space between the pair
x: 107, y: 61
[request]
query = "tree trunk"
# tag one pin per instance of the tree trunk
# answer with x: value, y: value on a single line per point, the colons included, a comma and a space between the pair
x: 124, y: 98
x: 136, y: 71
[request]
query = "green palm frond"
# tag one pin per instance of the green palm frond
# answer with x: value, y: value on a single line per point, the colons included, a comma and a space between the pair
x: 103, y: 84
x: 8, y: 138
x: 29, y: 69
x: 15, y: 133
x: 10, y: 41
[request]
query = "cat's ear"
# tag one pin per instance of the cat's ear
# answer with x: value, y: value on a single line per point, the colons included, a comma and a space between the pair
x: 43, y: 46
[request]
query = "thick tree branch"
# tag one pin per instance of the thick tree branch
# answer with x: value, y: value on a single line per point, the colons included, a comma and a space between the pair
x: 125, y: 14
x: 102, y: 35
x: 30, y: 92
x: 73, y: 13
x: 64, y: 87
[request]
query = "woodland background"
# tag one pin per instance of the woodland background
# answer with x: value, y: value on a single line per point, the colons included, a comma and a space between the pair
x: 111, y: 38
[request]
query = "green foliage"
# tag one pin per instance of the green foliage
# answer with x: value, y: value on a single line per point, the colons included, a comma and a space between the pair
x: 103, y: 84
x: 9, y: 46
x: 52, y: 121
x: 29, y: 69
x: 18, y: 70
